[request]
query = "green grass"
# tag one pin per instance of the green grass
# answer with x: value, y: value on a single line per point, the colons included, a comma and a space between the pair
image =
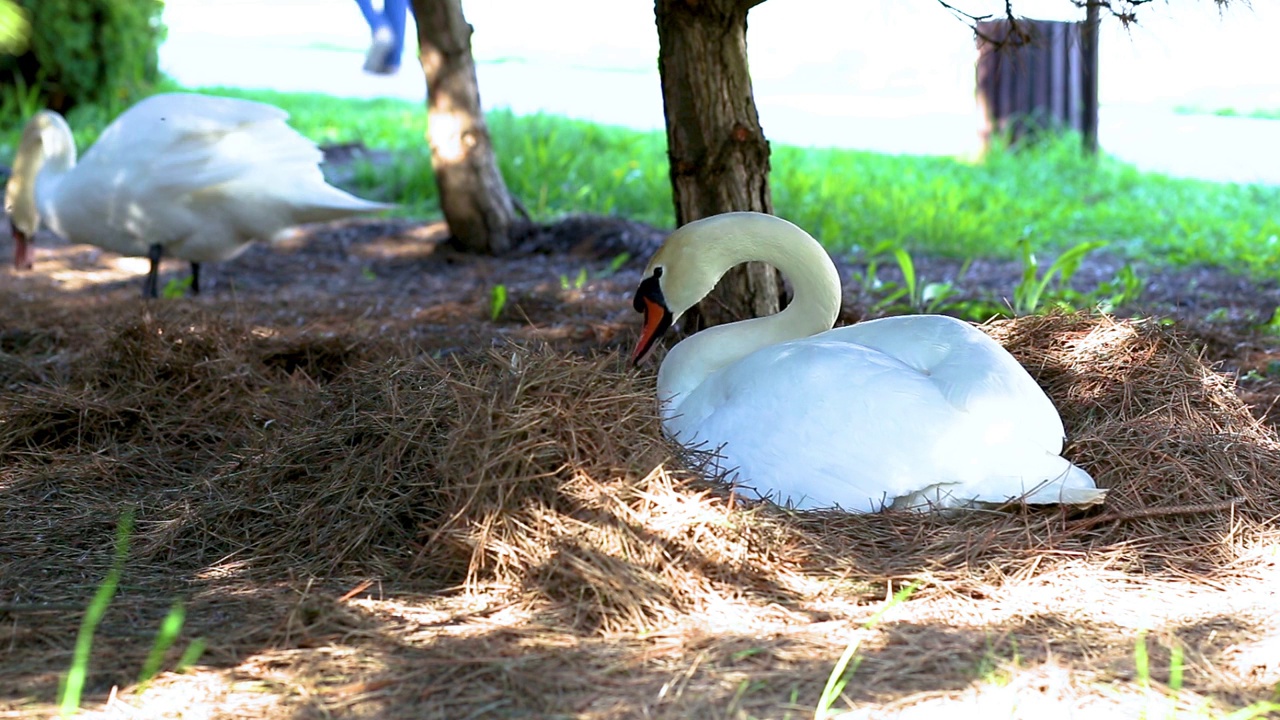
x: 1050, y: 194
x: 1259, y: 113
x: 1047, y: 198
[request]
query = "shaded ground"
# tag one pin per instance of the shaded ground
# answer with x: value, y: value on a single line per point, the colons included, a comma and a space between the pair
x: 369, y: 514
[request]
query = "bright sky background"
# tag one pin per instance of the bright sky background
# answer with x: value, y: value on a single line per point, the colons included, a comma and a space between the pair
x: 1182, y: 51
x: 891, y: 75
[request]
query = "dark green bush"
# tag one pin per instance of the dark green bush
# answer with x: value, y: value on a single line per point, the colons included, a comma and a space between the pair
x: 97, y: 52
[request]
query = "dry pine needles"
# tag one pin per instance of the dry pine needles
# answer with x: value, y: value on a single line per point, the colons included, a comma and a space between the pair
x: 253, y: 457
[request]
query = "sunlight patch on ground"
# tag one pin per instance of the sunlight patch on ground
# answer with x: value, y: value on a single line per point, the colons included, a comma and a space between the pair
x: 1046, y: 691
x: 200, y: 694
x: 459, y: 615
x: 1043, y: 692
x: 1102, y: 340
x: 395, y: 249
x: 65, y: 266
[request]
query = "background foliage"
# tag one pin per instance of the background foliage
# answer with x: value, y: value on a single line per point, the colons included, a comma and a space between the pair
x: 101, y: 52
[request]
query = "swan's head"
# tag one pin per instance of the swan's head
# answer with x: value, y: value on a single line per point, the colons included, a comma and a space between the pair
x: 46, y: 139
x: 692, y: 261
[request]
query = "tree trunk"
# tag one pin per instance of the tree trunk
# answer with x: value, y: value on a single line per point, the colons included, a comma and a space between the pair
x: 1089, y: 49
x: 718, y: 154
x: 473, y: 197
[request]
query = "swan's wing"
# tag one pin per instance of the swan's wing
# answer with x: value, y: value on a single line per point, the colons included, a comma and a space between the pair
x: 820, y: 422
x: 179, y: 143
x: 971, y: 370
x: 825, y: 422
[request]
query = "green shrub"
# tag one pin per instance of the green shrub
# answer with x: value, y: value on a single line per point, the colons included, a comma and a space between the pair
x: 14, y: 28
x: 99, y: 52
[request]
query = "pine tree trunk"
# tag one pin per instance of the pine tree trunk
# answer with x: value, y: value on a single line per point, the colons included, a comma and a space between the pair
x: 718, y: 154
x: 473, y: 196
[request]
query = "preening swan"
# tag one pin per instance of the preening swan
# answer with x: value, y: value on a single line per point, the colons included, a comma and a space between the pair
x: 918, y: 411
x: 184, y: 175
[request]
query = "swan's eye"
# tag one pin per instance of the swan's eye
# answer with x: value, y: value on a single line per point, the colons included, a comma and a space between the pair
x: 651, y: 289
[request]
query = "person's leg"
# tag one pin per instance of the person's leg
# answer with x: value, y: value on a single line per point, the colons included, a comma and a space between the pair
x: 371, y: 16
x: 395, y: 11
x: 383, y: 56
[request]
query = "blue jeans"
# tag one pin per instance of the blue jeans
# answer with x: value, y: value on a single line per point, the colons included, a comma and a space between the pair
x: 392, y: 16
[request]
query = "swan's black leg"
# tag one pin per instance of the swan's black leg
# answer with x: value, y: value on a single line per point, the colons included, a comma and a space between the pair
x: 195, y: 278
x: 149, y: 289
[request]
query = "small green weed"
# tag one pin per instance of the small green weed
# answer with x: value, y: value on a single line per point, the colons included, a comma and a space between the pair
x: 993, y: 667
x: 497, y: 301
x: 579, y: 281
x: 1168, y: 697
x: 72, y: 686
x: 837, y: 680
x: 1273, y: 325
x: 913, y: 294
x: 614, y: 265
x: 1034, y: 291
x: 1125, y: 287
x: 168, y: 633
x: 910, y: 295
x: 176, y: 288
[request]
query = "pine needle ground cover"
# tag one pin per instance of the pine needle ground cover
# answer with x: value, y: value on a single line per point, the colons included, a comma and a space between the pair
x: 378, y: 498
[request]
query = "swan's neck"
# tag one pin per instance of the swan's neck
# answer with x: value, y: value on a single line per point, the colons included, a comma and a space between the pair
x: 45, y: 158
x: 812, y: 310
x: 48, y: 182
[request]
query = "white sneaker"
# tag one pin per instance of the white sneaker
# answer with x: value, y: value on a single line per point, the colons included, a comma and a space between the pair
x: 378, y: 60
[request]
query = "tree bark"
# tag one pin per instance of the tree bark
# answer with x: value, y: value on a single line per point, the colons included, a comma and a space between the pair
x: 473, y: 196
x: 1089, y: 49
x: 718, y: 154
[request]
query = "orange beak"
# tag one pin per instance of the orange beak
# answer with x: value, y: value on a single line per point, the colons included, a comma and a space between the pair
x: 656, y: 321
x: 657, y: 318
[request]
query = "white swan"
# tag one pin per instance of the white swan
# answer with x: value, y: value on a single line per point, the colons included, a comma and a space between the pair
x: 189, y: 176
x: 922, y: 411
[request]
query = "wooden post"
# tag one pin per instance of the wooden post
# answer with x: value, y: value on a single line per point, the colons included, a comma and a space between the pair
x: 1089, y: 50
x: 1041, y: 77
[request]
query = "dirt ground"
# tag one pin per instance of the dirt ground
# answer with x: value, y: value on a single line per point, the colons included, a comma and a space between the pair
x: 266, y: 433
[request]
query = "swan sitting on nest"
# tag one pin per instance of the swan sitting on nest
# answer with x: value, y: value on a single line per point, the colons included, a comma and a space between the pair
x: 182, y: 175
x: 921, y: 411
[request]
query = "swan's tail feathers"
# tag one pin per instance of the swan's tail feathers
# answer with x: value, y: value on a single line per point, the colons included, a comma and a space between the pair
x: 1071, y: 485
x: 330, y: 203
x: 1078, y: 488
x: 1082, y: 497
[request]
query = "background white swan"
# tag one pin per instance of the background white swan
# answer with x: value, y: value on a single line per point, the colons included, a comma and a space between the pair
x: 916, y: 411
x: 189, y: 176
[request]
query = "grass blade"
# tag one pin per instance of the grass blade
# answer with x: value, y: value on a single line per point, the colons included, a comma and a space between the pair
x: 837, y: 680
x: 73, y: 684
x: 497, y: 301
x: 1141, y: 661
x: 190, y: 655
x: 168, y: 633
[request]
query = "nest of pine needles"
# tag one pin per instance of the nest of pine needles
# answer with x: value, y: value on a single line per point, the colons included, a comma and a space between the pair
x: 252, y: 454
x: 1190, y: 472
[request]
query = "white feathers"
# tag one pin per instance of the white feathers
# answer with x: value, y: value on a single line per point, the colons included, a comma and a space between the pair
x: 199, y: 176
x: 921, y: 411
